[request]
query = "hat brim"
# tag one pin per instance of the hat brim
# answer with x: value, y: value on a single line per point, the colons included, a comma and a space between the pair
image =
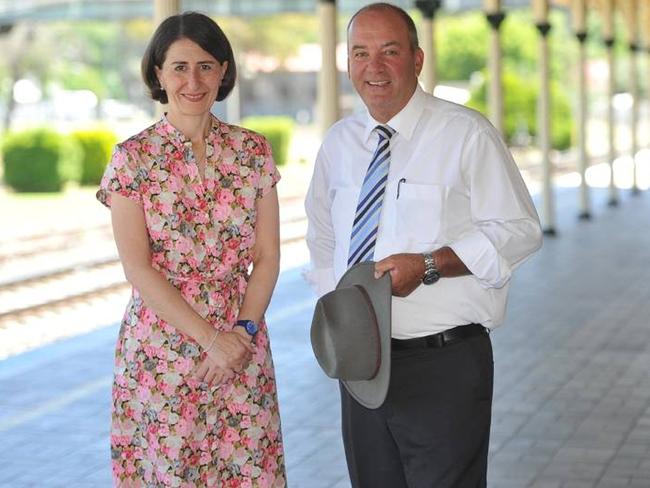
x: 372, y: 393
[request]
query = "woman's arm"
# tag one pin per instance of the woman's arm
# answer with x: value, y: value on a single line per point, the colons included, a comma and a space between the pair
x: 266, y: 260
x: 228, y: 351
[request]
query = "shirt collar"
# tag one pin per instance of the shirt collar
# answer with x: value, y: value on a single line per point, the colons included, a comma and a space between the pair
x: 405, y: 120
x: 177, y: 138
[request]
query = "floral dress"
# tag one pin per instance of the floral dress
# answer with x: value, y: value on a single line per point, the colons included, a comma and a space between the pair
x: 167, y: 428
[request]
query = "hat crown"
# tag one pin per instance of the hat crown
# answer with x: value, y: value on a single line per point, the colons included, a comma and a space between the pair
x: 345, y: 321
x: 351, y: 333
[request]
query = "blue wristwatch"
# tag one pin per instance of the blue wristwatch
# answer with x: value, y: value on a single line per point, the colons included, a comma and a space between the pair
x: 249, y: 326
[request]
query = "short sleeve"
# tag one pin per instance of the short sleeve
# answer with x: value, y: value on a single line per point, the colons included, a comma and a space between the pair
x: 123, y: 175
x: 268, y: 173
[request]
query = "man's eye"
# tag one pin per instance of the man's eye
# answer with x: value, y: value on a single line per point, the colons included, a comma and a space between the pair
x: 392, y: 52
x: 360, y: 55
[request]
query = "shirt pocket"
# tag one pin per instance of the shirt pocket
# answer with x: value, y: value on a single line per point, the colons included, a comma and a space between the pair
x: 420, y: 210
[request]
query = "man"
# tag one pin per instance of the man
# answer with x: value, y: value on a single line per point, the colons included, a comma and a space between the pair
x: 444, y: 210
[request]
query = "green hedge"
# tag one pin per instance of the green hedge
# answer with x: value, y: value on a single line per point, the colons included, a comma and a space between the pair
x: 40, y: 160
x: 97, y: 145
x: 277, y: 129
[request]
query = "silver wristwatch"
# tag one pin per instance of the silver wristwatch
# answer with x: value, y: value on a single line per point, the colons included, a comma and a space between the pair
x: 431, y: 273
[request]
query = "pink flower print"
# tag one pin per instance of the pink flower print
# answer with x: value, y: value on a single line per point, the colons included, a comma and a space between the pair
x: 131, y: 145
x: 163, y: 430
x: 148, y: 317
x: 183, y: 365
x: 205, y: 457
x: 142, y: 331
x: 230, y: 258
x: 120, y: 380
x: 189, y: 411
x: 143, y: 394
x: 235, y: 143
x: 190, y: 288
x: 183, y: 245
x: 220, y: 212
x: 227, y: 156
x: 225, y: 450
x: 146, y: 379
x: 161, y: 368
x: 270, y: 464
x: 255, y: 180
x: 230, y: 435
x: 265, y: 480
x: 233, y: 244
x: 183, y: 427
x: 225, y: 197
x: 118, y: 470
x: 246, y: 230
x: 150, y: 351
x: 262, y: 418
x: 174, y: 185
x: 163, y: 416
x: 249, y: 443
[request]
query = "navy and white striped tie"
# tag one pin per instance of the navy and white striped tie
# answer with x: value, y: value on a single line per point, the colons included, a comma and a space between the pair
x: 366, y: 219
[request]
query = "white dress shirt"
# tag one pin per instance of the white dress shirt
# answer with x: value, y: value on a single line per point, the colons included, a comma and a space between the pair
x: 452, y: 182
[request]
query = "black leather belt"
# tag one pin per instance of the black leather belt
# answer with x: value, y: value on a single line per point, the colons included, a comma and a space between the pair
x: 441, y: 339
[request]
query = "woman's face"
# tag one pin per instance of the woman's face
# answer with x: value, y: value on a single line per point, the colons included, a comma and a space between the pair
x: 191, y: 77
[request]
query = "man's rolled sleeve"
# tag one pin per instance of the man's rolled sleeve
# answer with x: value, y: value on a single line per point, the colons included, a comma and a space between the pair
x: 506, y: 226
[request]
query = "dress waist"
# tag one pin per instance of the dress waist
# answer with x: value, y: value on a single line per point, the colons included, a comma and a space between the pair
x: 210, y: 277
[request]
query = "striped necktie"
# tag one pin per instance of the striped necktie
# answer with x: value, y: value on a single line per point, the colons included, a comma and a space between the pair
x: 366, y: 219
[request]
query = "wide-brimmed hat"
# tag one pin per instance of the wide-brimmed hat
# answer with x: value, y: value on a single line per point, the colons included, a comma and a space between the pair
x: 351, y: 332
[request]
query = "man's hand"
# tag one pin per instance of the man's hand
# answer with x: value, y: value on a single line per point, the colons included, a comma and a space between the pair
x: 406, y: 272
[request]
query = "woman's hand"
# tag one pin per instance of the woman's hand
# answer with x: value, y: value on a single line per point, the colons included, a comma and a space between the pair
x: 229, y: 354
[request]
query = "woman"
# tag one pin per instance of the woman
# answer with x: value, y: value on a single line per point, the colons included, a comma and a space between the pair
x: 194, y: 205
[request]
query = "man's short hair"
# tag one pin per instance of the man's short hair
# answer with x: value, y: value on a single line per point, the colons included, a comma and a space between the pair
x: 408, y: 21
x: 198, y: 28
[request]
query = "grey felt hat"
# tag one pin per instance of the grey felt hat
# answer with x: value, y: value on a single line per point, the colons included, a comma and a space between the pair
x: 351, y: 332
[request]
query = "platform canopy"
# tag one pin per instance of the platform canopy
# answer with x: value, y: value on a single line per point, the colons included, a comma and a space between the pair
x: 12, y: 11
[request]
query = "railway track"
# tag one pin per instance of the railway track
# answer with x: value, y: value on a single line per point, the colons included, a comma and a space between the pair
x: 46, y: 273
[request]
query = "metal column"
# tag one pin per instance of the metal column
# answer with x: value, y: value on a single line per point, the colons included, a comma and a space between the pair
x: 495, y: 17
x: 540, y: 10
x: 609, y: 40
x: 578, y: 12
x: 428, y: 43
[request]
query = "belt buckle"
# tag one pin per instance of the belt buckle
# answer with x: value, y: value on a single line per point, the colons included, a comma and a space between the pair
x: 436, y: 340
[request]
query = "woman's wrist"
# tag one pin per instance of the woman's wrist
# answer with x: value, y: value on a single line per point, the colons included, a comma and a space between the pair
x: 211, y: 343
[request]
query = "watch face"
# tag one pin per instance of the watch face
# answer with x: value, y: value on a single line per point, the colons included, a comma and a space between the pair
x: 431, y: 278
x: 249, y: 326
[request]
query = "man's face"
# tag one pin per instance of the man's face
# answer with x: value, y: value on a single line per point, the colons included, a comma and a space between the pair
x: 381, y: 64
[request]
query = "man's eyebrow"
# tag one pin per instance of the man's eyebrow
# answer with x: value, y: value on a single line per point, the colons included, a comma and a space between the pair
x: 386, y: 44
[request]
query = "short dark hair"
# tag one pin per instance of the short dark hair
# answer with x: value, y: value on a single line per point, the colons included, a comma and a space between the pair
x: 403, y: 14
x: 198, y: 28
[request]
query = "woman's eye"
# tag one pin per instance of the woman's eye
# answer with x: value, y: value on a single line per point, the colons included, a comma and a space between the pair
x: 179, y: 67
x: 206, y: 67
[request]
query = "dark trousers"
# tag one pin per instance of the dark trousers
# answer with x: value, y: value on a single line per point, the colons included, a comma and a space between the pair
x: 433, y: 429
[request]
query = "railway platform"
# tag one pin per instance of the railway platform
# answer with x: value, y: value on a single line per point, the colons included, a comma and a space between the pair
x: 572, y: 363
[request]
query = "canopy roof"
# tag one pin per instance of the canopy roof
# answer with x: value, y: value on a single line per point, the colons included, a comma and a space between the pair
x: 44, y: 10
